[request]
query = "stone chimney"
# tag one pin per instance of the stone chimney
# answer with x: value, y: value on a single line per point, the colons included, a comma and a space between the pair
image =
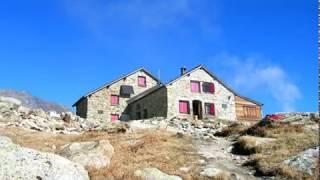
x: 183, y: 70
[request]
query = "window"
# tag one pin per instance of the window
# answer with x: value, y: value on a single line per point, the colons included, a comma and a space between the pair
x: 184, y: 107
x: 114, y: 99
x: 224, y: 106
x: 210, y: 109
x: 138, y: 112
x: 208, y: 87
x: 142, y: 81
x: 100, y: 111
x: 114, y: 117
x: 145, y: 114
x: 195, y: 86
x: 138, y: 115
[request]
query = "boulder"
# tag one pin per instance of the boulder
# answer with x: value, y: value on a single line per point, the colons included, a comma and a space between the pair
x: 67, y: 117
x: 305, y: 162
x: 39, y: 113
x: 214, y: 173
x: 23, y: 163
x: 24, y: 110
x: 93, y: 154
x: 55, y: 115
x: 154, y: 174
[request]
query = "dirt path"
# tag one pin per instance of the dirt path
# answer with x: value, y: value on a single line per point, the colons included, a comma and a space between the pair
x: 217, y: 155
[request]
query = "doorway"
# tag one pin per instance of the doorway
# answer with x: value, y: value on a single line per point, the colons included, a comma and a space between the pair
x: 197, y: 108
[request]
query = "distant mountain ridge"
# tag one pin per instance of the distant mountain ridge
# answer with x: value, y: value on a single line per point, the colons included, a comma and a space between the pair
x: 33, y: 102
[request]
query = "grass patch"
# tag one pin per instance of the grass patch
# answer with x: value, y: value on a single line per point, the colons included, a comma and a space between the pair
x: 245, y: 145
x: 273, y: 129
x: 141, y: 149
x: 233, y: 129
x: 268, y: 158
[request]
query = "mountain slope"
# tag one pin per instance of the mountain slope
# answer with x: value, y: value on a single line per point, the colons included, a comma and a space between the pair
x: 33, y: 102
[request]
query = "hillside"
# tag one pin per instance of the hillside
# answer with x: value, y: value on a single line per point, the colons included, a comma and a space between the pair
x: 281, y: 146
x: 33, y: 102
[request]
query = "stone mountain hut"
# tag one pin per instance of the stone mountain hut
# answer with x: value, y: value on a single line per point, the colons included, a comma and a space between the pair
x: 195, y: 94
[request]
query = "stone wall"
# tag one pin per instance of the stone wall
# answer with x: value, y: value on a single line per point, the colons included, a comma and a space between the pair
x: 155, y: 104
x: 223, y: 99
x: 99, y: 103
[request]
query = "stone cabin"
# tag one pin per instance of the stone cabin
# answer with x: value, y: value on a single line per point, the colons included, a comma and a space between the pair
x: 195, y: 94
x: 109, y: 102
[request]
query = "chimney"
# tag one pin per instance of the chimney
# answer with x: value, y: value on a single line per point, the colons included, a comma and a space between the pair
x: 183, y: 70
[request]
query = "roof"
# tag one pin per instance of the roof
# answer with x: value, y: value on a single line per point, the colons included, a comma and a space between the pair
x: 114, y: 81
x: 145, y: 93
x: 217, y: 79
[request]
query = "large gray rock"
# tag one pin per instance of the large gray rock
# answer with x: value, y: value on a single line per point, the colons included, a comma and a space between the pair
x: 154, y: 174
x: 305, y: 161
x: 94, y: 154
x: 211, y: 172
x: 22, y: 163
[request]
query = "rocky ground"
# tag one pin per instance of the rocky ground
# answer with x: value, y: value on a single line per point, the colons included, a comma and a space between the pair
x: 150, y: 149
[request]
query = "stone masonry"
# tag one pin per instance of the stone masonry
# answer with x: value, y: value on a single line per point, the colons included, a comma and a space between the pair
x: 180, y: 90
x: 162, y: 100
x: 97, y: 106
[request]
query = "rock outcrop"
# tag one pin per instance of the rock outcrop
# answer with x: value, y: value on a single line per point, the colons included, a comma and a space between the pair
x: 154, y: 173
x: 94, y: 154
x: 214, y: 173
x: 306, y: 161
x: 23, y: 163
x: 203, y: 129
x: 13, y: 114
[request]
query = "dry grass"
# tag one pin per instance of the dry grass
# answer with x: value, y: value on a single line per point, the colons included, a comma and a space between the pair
x: 273, y: 129
x: 233, y: 129
x: 246, y: 145
x: 148, y: 148
x: 223, y: 176
x: 290, y: 140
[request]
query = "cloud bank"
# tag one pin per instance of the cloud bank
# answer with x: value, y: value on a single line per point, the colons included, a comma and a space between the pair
x: 255, y: 74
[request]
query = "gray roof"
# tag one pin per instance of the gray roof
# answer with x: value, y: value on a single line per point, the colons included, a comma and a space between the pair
x: 145, y: 93
x: 114, y: 81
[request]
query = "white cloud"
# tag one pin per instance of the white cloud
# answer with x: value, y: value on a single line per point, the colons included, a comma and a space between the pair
x: 99, y: 15
x: 254, y: 74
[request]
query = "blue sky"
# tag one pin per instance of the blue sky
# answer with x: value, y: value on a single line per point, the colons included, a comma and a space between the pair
x: 61, y: 49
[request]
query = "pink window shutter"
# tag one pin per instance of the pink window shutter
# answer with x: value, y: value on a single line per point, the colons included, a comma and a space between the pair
x: 212, y: 109
x: 142, y: 81
x: 114, y: 100
x: 183, y: 107
x: 114, y: 117
x: 195, y: 87
x: 212, y: 88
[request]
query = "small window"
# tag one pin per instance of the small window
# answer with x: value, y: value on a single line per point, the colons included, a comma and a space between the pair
x: 100, y: 112
x: 142, y: 81
x: 195, y: 86
x: 224, y: 106
x: 210, y: 109
x: 114, y: 117
x: 145, y: 114
x: 114, y: 100
x: 184, y: 107
x: 208, y: 87
x: 138, y: 115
